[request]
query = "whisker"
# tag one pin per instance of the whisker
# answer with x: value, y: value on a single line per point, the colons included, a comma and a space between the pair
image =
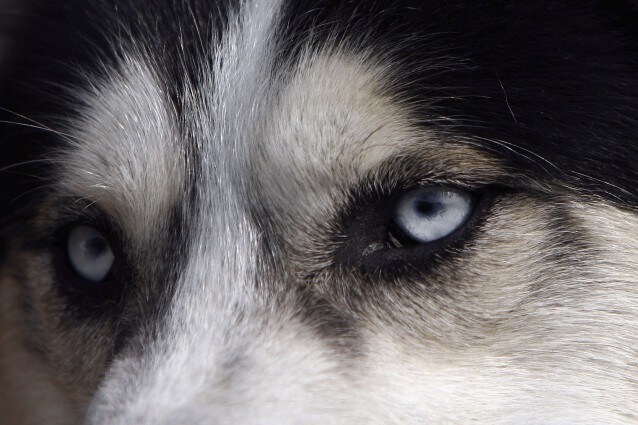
x: 520, y: 151
x: 30, y: 162
x: 38, y: 126
x: 32, y: 190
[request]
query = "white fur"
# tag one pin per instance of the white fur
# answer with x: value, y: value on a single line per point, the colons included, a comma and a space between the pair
x: 125, y: 153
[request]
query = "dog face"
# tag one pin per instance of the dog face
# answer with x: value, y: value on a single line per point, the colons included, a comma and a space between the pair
x: 319, y: 212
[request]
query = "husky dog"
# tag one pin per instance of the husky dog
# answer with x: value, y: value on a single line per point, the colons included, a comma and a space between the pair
x: 318, y: 212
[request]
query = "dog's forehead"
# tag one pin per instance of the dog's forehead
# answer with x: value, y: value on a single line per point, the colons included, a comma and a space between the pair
x: 297, y: 142
x: 295, y: 101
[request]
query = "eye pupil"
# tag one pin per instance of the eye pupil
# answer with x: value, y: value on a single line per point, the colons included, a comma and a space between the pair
x: 429, y: 208
x: 96, y: 246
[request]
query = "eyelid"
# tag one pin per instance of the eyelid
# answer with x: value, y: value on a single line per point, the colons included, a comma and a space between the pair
x: 80, y: 211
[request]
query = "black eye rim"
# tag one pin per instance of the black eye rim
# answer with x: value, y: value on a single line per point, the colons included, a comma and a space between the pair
x: 369, y: 245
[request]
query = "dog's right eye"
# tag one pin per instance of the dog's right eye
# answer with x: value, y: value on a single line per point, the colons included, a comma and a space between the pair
x: 89, y: 253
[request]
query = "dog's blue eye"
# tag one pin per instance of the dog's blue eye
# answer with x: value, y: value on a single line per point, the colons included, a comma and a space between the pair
x: 431, y: 213
x: 89, y: 253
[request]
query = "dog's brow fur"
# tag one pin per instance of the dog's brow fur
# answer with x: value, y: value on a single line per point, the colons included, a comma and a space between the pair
x: 124, y: 152
x: 244, y: 161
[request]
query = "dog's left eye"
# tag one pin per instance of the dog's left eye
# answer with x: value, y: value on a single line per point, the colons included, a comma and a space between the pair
x: 409, y: 231
x: 431, y: 213
x: 89, y: 253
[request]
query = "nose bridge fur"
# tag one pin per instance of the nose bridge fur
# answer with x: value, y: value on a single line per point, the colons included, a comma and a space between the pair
x: 223, y: 116
x: 227, y: 347
x: 212, y: 334
x: 209, y: 335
